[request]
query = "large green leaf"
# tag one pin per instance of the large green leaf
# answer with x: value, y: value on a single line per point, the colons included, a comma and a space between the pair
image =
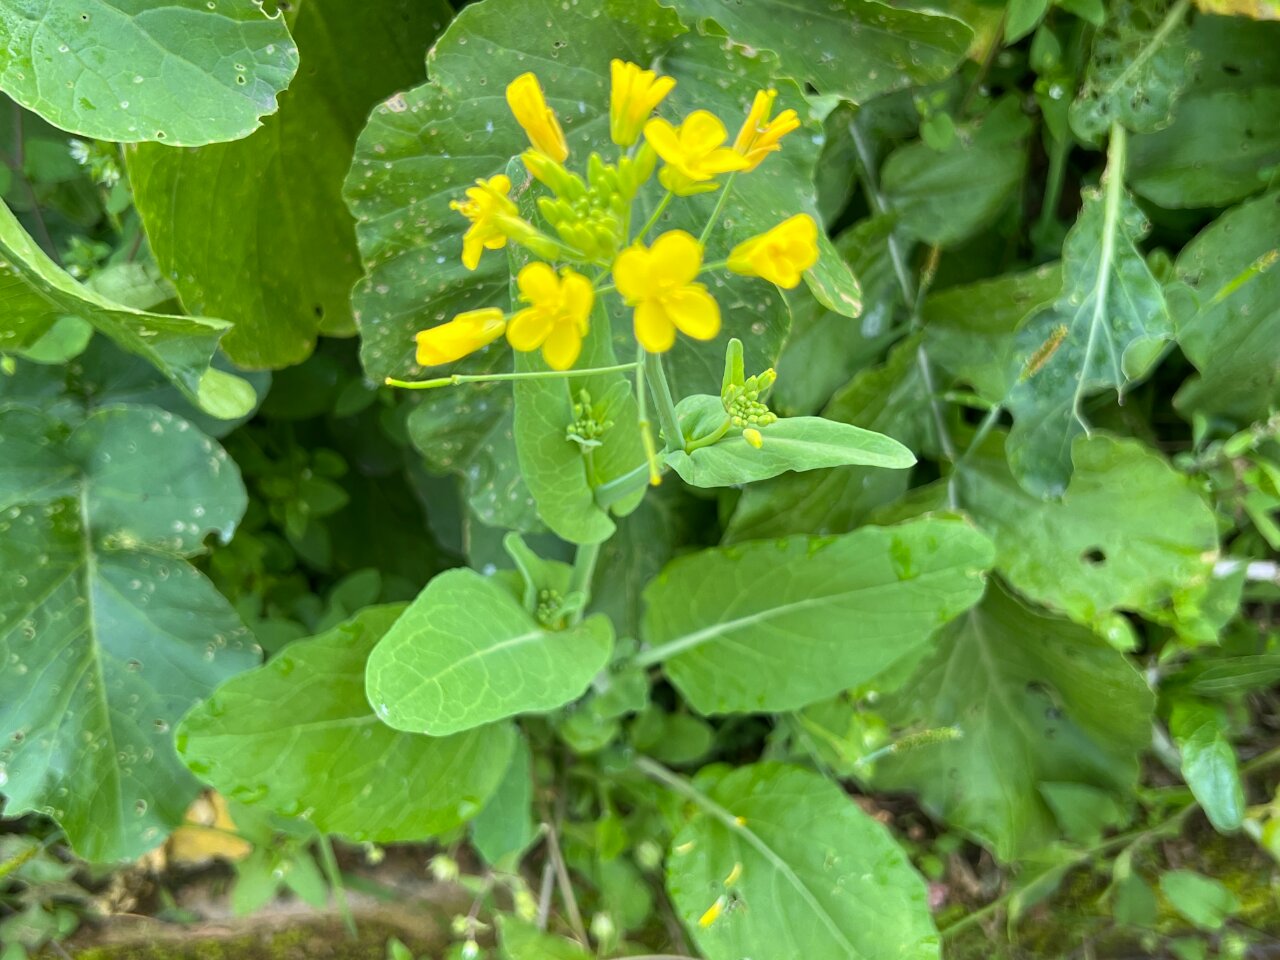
x: 467, y: 653
x: 854, y: 48
x: 1231, y: 337
x: 1202, y: 733
x: 1044, y: 708
x: 1137, y: 68
x: 802, y: 871
x: 273, y: 247
x: 790, y: 444
x: 756, y: 633
x: 107, y: 634
x: 1105, y: 330
x: 37, y: 293
x: 183, y: 72
x: 1128, y: 534
x: 944, y: 197
x: 262, y: 738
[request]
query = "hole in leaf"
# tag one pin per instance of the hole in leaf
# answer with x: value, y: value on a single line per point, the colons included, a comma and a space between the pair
x: 1094, y: 556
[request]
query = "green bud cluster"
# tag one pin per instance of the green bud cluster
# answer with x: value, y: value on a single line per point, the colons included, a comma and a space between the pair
x: 744, y: 402
x: 590, y: 215
x: 549, y: 605
x: 589, y: 423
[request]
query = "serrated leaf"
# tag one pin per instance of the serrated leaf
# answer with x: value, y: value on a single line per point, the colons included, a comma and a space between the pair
x: 790, y: 444
x: 1231, y: 336
x: 756, y: 635
x: 1128, y: 534
x: 184, y: 72
x: 107, y: 634
x: 467, y: 653
x: 1137, y: 69
x: 273, y: 246
x: 37, y: 293
x: 857, y: 49
x: 262, y: 736
x: 1037, y: 701
x: 1104, y: 331
x: 1209, y: 766
x: 811, y: 874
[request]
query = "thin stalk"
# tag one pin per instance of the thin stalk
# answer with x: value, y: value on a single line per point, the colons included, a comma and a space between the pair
x: 458, y: 378
x: 719, y: 208
x: 610, y: 493
x: 334, y: 874
x: 584, y: 568
x: 1054, y: 182
x: 646, y: 429
x: 661, y: 392
x: 658, y: 211
x: 710, y: 438
x: 984, y: 428
x: 564, y: 883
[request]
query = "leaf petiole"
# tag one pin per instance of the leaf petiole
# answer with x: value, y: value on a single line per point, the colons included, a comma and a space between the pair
x: 459, y: 378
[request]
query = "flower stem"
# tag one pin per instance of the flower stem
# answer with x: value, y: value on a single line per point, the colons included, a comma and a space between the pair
x: 661, y: 392
x: 646, y: 431
x: 658, y: 211
x: 710, y: 438
x: 715, y: 214
x: 584, y: 570
x: 458, y: 378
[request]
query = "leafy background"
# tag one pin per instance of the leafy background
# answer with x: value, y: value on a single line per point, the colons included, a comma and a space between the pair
x: 1016, y: 696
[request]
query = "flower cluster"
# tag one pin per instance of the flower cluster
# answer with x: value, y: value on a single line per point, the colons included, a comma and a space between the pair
x: 587, y: 225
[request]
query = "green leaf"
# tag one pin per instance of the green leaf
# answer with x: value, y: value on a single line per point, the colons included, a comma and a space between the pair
x: 185, y: 73
x: 1209, y: 766
x: 1129, y: 532
x: 1137, y: 69
x: 523, y: 941
x: 756, y: 633
x: 969, y: 329
x: 1104, y: 331
x: 1232, y: 335
x: 1221, y: 147
x: 504, y: 828
x: 262, y: 736
x: 467, y: 653
x: 107, y: 634
x: 1024, y: 16
x: 1202, y: 900
x: 889, y: 399
x: 37, y: 293
x: 944, y: 198
x: 273, y: 246
x: 812, y: 875
x: 857, y: 49
x: 1037, y: 701
x: 790, y: 444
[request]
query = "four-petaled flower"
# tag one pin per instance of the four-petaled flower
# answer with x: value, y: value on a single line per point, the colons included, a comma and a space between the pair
x: 658, y: 282
x: 466, y: 333
x: 759, y: 135
x: 779, y: 255
x: 557, y: 317
x: 635, y: 94
x: 490, y: 209
x: 529, y: 105
x: 694, y: 152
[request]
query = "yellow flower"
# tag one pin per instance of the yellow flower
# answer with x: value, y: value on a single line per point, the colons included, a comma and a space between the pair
x: 466, y: 333
x: 779, y: 255
x: 693, y: 151
x: 658, y: 282
x: 487, y: 207
x: 525, y: 97
x: 557, y: 316
x: 753, y: 437
x: 759, y: 136
x: 634, y: 95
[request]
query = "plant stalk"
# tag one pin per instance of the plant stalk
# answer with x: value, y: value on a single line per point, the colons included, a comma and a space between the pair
x: 458, y: 378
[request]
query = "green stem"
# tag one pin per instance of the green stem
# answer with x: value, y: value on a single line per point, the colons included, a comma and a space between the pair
x: 715, y: 214
x: 661, y: 392
x: 646, y: 429
x: 334, y: 875
x: 658, y: 211
x: 1053, y: 189
x: 584, y: 569
x: 624, y: 486
x: 984, y: 428
x: 457, y: 378
x: 709, y: 439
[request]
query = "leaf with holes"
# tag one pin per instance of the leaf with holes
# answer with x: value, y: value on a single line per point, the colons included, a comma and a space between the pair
x: 186, y: 72
x: 107, y: 634
x: 262, y: 735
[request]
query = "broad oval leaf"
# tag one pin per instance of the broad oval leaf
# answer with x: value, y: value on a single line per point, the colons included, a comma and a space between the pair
x: 790, y: 444
x: 1201, y: 731
x: 1040, y: 705
x: 466, y: 653
x: 37, y: 293
x: 107, y: 634
x: 262, y: 737
x: 186, y: 72
x: 780, y: 624
x: 799, y: 871
x: 273, y: 247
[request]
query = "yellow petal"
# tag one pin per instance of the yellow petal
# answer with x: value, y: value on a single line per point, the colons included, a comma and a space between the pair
x: 654, y: 329
x: 562, y: 346
x: 664, y: 138
x: 757, y: 117
x: 675, y: 259
x: 724, y: 160
x: 538, y: 283
x: 631, y: 273
x: 694, y: 311
x: 472, y: 247
x: 529, y: 106
x: 702, y: 132
x: 529, y: 329
x: 577, y: 296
